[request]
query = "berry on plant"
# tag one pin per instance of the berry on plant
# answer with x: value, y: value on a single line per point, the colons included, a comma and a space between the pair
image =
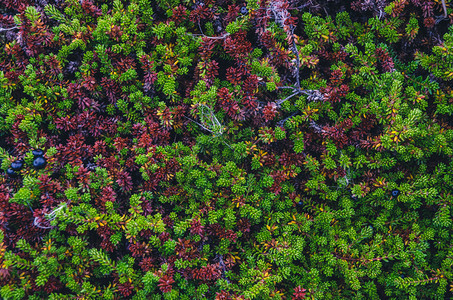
x: 37, y: 152
x: 244, y: 10
x: 39, y: 162
x: 395, y: 193
x: 17, y: 165
x: 11, y: 172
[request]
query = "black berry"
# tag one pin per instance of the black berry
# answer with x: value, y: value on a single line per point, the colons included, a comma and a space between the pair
x: 37, y: 152
x: 395, y: 193
x: 244, y: 10
x: 39, y: 162
x: 11, y: 172
x: 17, y: 165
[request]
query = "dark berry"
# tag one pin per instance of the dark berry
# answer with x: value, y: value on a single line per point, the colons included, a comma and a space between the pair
x: 37, y: 152
x: 11, y: 172
x: 17, y: 165
x: 39, y: 162
x: 395, y: 193
x: 244, y: 10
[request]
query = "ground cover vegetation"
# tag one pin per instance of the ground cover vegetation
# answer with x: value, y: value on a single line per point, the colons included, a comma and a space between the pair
x: 181, y: 149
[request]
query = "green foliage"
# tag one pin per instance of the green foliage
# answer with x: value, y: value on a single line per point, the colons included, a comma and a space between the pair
x: 202, y: 152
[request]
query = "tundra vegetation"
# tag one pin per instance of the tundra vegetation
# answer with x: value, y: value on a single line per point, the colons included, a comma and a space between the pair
x: 226, y: 149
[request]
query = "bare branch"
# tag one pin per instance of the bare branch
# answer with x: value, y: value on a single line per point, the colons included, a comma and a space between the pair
x: 444, y: 6
x: 296, y: 52
x: 282, y: 122
x: 279, y: 102
x: 316, y: 127
x: 7, y: 29
x: 222, y: 265
x: 208, y: 37
x: 313, y: 95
